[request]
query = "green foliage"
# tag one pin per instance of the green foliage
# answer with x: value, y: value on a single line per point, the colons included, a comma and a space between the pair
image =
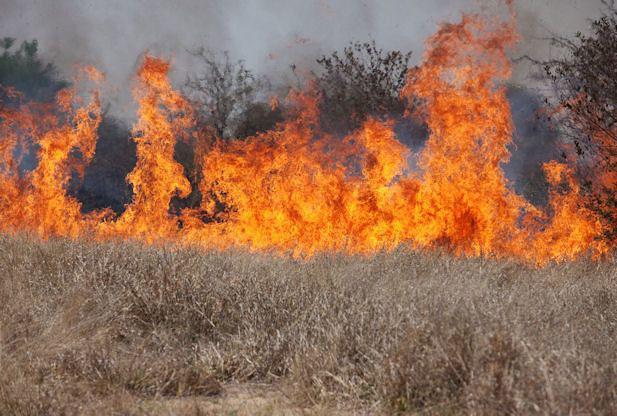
x: 23, y: 70
x: 362, y: 81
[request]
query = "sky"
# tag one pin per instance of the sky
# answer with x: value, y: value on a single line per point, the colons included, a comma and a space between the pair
x: 268, y: 34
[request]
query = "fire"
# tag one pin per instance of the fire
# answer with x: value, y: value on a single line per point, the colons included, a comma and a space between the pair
x: 163, y: 116
x: 571, y: 226
x: 65, y: 139
x: 296, y: 189
x: 291, y: 191
x: 464, y: 202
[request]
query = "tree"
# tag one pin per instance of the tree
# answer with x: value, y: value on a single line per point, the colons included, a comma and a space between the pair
x: 585, y: 81
x: 362, y: 81
x: 225, y: 96
x: 223, y: 92
x: 23, y: 70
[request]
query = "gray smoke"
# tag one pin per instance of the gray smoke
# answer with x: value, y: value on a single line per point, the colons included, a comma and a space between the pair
x: 268, y: 34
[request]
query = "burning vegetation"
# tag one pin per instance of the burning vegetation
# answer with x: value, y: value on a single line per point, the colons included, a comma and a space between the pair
x: 302, y: 186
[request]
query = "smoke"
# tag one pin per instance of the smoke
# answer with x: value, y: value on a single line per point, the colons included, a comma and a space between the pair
x: 269, y: 35
x: 539, y: 20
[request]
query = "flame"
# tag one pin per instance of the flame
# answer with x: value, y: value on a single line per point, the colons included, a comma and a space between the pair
x: 572, y: 226
x: 164, y: 115
x: 64, y: 137
x: 464, y: 203
x: 291, y: 191
x: 299, y: 190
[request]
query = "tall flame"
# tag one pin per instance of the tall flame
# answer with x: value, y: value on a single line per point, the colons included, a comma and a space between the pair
x: 464, y: 202
x: 163, y: 116
x: 300, y: 190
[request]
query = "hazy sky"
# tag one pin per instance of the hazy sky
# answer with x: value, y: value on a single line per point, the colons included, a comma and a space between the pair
x: 268, y: 34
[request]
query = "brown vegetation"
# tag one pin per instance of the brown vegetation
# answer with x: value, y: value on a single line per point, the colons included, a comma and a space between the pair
x: 121, y: 329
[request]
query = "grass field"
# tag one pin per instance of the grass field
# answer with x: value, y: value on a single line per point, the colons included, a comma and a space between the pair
x: 120, y: 329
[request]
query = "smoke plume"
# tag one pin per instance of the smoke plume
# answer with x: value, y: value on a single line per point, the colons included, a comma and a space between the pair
x: 269, y: 35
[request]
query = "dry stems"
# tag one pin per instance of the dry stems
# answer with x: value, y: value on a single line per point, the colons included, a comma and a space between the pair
x: 121, y: 329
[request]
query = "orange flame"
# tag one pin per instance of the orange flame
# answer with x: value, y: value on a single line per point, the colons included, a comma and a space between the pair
x: 297, y: 189
x: 37, y: 201
x: 164, y: 115
x: 463, y: 202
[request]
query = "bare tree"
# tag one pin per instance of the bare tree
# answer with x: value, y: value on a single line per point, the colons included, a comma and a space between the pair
x: 223, y: 91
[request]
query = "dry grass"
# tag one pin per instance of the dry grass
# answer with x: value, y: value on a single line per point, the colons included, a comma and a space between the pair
x: 119, y: 329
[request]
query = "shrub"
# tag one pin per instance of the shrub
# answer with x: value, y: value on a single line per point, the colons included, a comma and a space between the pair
x: 362, y: 81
